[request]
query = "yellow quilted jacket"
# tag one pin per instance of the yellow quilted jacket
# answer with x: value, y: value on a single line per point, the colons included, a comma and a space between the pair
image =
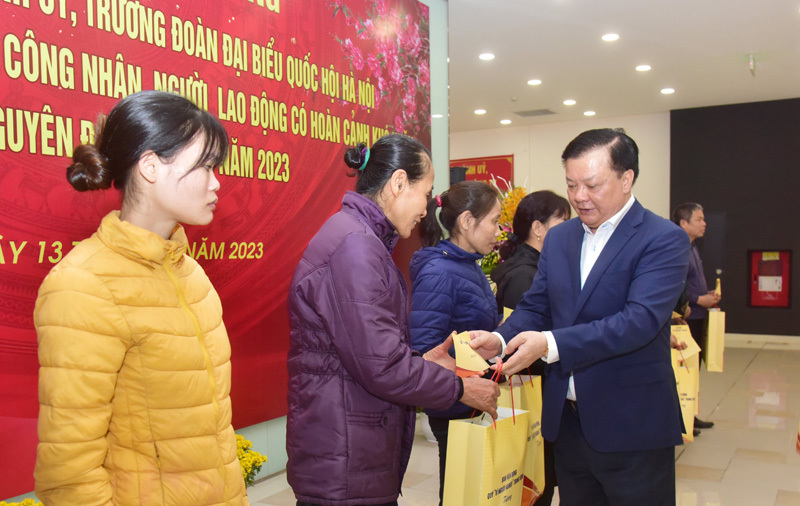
x: 134, y: 378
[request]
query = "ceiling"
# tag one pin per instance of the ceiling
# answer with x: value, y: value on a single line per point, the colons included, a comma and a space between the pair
x: 700, y: 48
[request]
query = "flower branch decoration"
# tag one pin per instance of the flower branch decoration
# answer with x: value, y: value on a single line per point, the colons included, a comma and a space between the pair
x: 397, y: 61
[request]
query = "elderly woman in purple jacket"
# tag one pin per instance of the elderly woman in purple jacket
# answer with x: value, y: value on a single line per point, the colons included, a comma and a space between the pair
x: 449, y: 291
x: 354, y: 380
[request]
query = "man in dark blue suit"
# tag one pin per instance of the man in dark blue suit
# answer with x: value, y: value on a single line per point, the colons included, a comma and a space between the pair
x: 598, y: 313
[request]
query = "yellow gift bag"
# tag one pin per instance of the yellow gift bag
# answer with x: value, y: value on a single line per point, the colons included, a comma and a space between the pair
x: 485, y: 460
x: 715, y: 349
x: 686, y: 364
x: 527, y: 394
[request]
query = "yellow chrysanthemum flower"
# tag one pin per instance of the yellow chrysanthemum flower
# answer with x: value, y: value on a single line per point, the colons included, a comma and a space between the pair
x: 509, y: 202
x: 249, y: 459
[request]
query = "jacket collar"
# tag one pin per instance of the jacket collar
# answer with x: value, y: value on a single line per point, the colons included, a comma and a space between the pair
x: 368, y: 211
x: 140, y: 245
x: 527, y: 252
x: 452, y: 251
x: 626, y: 229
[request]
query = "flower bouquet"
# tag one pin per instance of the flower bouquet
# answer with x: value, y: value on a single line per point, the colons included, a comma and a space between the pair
x: 509, y: 201
x: 249, y: 459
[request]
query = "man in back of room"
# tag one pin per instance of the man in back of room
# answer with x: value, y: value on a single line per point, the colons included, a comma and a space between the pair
x: 690, y: 217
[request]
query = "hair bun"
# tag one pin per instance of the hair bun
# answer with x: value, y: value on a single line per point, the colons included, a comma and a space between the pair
x: 353, y: 157
x: 89, y: 170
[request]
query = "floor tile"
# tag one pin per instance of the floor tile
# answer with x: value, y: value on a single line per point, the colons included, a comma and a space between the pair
x: 698, y: 473
x: 787, y: 498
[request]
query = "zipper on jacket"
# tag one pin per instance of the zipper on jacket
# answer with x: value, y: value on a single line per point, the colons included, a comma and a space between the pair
x: 160, y: 476
x: 206, y: 359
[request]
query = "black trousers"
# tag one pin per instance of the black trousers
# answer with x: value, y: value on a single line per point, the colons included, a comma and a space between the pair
x: 439, y: 428
x: 590, y: 478
x: 699, y: 330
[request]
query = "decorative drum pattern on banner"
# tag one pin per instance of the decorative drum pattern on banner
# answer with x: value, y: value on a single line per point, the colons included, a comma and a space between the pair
x: 293, y: 83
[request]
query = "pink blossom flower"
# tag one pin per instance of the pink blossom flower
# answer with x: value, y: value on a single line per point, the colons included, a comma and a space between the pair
x: 352, y: 21
x: 354, y: 53
x: 367, y: 29
x: 388, y: 49
x: 410, y: 40
x: 398, y: 124
x: 424, y: 74
x: 381, y: 7
x: 395, y: 72
x: 374, y: 64
x: 382, y: 86
x: 411, y: 87
x: 424, y: 11
x: 409, y: 103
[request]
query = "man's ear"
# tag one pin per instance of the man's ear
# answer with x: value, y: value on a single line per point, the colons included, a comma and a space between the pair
x: 147, y: 166
x: 627, y: 180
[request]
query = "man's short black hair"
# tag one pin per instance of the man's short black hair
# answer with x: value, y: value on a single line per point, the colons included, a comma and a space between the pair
x: 622, y: 150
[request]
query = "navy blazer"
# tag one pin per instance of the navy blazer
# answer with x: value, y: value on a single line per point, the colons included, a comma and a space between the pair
x: 612, y: 335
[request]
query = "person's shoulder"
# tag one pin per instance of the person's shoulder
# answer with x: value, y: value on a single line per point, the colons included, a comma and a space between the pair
x: 342, y: 230
x: 431, y: 262
x: 659, y: 223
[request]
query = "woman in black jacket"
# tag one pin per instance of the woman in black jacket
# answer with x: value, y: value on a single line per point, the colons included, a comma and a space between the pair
x: 535, y: 215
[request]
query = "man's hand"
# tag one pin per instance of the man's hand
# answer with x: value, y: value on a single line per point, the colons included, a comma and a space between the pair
x: 481, y: 394
x: 485, y: 343
x: 440, y: 355
x: 529, y: 346
x: 708, y: 300
x: 673, y: 342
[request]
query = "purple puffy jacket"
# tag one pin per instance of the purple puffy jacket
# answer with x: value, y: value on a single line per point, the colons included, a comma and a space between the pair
x: 353, y: 378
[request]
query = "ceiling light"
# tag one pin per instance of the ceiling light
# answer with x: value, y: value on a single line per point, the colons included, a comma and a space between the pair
x: 535, y: 82
x: 589, y: 113
x: 610, y: 37
x: 569, y: 101
x: 667, y: 91
x: 643, y: 68
x: 486, y: 56
x: 505, y: 121
x: 437, y: 116
x: 480, y: 111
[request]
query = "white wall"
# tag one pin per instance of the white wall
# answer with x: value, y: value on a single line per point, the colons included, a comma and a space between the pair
x: 537, y: 153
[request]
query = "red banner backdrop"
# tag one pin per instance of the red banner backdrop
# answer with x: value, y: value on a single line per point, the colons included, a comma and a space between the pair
x: 294, y: 82
x: 487, y: 167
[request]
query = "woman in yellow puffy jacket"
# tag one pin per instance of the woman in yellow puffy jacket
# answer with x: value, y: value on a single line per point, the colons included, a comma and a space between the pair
x: 134, y: 377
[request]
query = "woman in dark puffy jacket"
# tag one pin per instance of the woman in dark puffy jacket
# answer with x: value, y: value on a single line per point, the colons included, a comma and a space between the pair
x: 354, y: 380
x: 449, y: 290
x: 536, y: 213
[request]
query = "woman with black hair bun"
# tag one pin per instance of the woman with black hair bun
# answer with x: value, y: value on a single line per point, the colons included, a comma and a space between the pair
x: 354, y: 380
x: 135, y: 371
x: 449, y: 290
